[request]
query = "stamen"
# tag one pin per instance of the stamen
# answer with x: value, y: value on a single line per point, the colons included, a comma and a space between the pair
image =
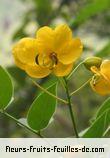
x: 53, y: 56
x: 95, y: 79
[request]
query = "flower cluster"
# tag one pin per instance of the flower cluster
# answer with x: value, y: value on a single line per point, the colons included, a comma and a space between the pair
x: 55, y: 51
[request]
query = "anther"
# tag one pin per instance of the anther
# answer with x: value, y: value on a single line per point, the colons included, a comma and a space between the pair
x: 54, y: 58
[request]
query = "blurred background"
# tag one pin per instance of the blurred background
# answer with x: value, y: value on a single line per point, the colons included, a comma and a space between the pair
x: 90, y: 20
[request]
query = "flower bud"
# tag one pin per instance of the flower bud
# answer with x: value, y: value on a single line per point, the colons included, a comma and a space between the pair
x: 92, y: 61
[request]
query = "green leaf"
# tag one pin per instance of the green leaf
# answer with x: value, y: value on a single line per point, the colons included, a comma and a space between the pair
x: 6, y: 88
x: 98, y: 128
x: 91, y: 9
x: 42, y: 110
x: 105, y: 106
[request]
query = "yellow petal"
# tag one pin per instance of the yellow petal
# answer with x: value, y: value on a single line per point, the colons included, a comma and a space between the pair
x: 26, y: 50
x: 19, y: 63
x: 70, y: 52
x: 101, y: 86
x: 62, y: 35
x: 62, y: 70
x: 37, y: 71
x: 45, y: 37
x: 105, y: 69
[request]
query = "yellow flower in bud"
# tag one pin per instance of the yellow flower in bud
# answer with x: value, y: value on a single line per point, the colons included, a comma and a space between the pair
x: 52, y: 51
x: 92, y: 61
x: 100, y: 82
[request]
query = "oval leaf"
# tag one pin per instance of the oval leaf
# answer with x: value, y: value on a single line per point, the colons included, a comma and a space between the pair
x: 98, y: 128
x: 42, y: 109
x: 6, y: 88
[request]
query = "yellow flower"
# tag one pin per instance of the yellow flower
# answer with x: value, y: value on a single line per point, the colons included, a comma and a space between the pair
x: 52, y: 51
x: 101, y: 80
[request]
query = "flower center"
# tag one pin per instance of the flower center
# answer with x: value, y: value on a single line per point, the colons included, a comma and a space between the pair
x: 54, y: 59
x: 49, y: 61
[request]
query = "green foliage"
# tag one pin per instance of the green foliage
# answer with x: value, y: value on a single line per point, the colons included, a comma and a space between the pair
x: 98, y: 128
x: 95, y: 16
x: 6, y: 88
x: 42, y: 110
x: 101, y: 123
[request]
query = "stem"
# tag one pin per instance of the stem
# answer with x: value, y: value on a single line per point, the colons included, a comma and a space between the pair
x: 14, y: 119
x: 75, y: 70
x: 80, y: 87
x: 70, y: 109
x: 46, y: 91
